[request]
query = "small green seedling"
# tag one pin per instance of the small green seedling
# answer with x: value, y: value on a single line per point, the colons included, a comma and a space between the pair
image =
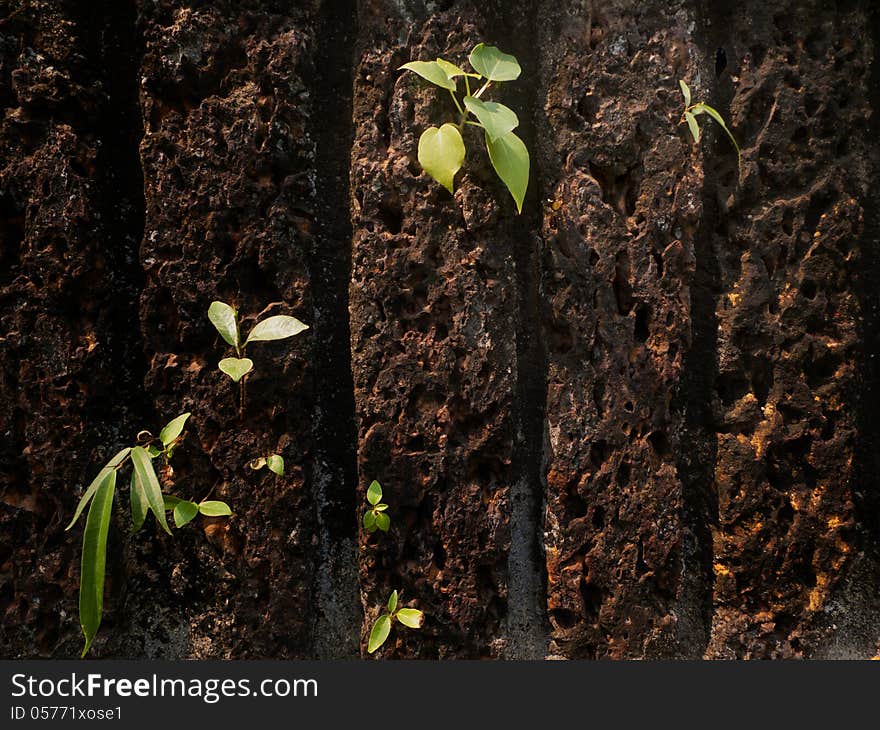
x: 442, y: 150
x: 225, y: 319
x: 273, y: 461
x: 410, y: 617
x: 145, y: 495
x: 692, y: 111
x: 376, y: 518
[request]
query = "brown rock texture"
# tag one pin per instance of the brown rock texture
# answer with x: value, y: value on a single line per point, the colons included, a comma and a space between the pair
x: 636, y: 421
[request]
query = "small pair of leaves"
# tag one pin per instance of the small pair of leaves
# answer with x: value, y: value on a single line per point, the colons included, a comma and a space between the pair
x: 279, y: 327
x: 693, y: 110
x: 376, y: 518
x: 273, y: 461
x: 410, y: 617
x: 94, y: 557
x: 185, y: 511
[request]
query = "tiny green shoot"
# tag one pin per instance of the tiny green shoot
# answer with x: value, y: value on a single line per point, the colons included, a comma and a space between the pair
x: 692, y: 111
x: 441, y: 149
x: 410, y: 617
x: 274, y: 462
x: 145, y: 496
x: 376, y: 517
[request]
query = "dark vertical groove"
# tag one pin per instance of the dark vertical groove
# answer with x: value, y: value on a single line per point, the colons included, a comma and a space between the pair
x: 337, y: 628
x: 115, y: 48
x: 526, y: 623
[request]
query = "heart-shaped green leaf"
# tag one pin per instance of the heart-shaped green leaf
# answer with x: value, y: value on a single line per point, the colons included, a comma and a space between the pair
x: 510, y: 158
x: 173, y: 429
x: 374, y: 492
x: 275, y: 464
x: 278, y: 327
x: 138, y: 499
x: 94, y: 558
x: 96, y: 482
x: 184, y: 512
x: 693, y: 126
x: 685, y: 92
x: 214, y: 508
x: 236, y: 367
x: 496, y: 118
x: 379, y: 632
x: 493, y: 64
x: 430, y: 71
x: 146, y: 475
x: 223, y: 317
x: 411, y: 617
x: 441, y: 153
x: 451, y: 69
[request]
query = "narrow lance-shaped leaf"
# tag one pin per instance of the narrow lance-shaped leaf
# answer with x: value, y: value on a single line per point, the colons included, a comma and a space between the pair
x: 701, y: 107
x: 496, y: 118
x: 147, y: 475
x: 214, y: 508
x: 94, y: 559
x: 411, y: 617
x: 138, y: 500
x: 374, y: 492
x: 392, y: 602
x: 685, y: 92
x: 276, y: 464
x: 184, y: 512
x: 441, y: 153
x: 430, y: 71
x: 236, y: 367
x: 223, y: 317
x: 510, y: 158
x: 278, y: 327
x: 693, y: 126
x: 96, y: 482
x: 379, y: 632
x: 493, y: 64
x: 173, y: 429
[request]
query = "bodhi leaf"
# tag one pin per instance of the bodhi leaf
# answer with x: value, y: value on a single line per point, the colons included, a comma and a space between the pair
x: 379, y: 632
x: 496, y: 118
x: 369, y: 521
x: 392, y: 602
x: 374, y: 493
x: 430, y: 71
x: 138, y: 500
x: 275, y: 464
x: 452, y: 70
x: 441, y: 153
x: 383, y: 521
x: 685, y: 92
x: 510, y: 158
x: 147, y: 476
x: 94, y: 559
x: 214, y: 508
x: 411, y: 617
x: 223, y: 317
x: 185, y: 512
x: 278, y: 327
x: 96, y: 482
x: 493, y: 64
x: 172, y: 430
x: 236, y: 367
x: 693, y: 126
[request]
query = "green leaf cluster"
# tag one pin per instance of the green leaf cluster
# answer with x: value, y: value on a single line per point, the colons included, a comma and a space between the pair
x: 376, y: 517
x: 410, y: 617
x: 145, y: 496
x: 442, y: 150
x: 225, y: 320
x: 692, y: 111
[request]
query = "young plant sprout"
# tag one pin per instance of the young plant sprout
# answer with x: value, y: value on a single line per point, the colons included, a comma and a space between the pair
x: 410, y: 617
x: 145, y: 495
x: 225, y: 319
x: 442, y: 150
x: 376, y: 518
x: 273, y: 461
x: 692, y: 111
